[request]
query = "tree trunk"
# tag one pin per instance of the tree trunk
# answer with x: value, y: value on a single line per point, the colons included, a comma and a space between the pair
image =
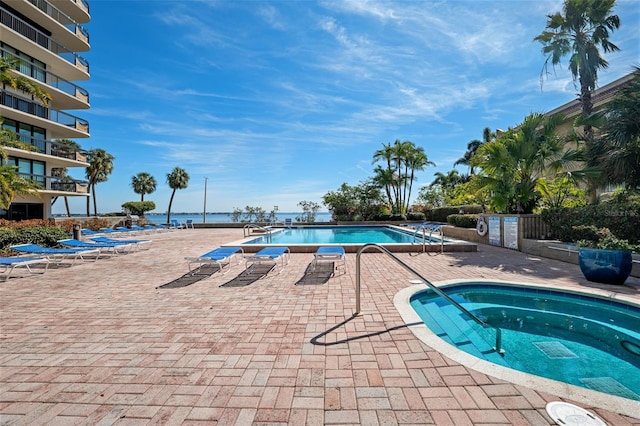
x: 169, y: 209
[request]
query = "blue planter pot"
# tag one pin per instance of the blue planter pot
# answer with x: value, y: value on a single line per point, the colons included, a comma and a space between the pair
x: 605, y: 266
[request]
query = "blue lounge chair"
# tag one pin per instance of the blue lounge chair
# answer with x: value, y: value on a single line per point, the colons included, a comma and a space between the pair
x: 103, y: 247
x: 136, y: 243
x: 220, y: 257
x: 330, y: 253
x: 57, y: 254
x: 9, y: 263
x: 176, y: 225
x: 85, y: 231
x: 275, y: 255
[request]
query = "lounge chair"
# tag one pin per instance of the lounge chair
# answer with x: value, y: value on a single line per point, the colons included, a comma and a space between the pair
x: 177, y: 225
x: 274, y: 255
x: 57, y: 254
x: 134, y: 242
x: 189, y: 224
x: 103, y: 247
x: 220, y: 257
x: 9, y: 263
x: 334, y: 254
x: 85, y: 231
x: 288, y: 222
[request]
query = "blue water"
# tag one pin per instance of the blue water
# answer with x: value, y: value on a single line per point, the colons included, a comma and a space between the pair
x: 338, y: 235
x: 224, y: 217
x: 577, y: 339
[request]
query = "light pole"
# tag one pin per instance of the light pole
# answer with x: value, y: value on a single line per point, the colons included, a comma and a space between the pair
x: 204, y: 213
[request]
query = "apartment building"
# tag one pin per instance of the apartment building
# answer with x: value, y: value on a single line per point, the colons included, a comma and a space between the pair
x: 47, y: 36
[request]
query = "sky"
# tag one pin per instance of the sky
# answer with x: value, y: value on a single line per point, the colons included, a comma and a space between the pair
x: 270, y: 103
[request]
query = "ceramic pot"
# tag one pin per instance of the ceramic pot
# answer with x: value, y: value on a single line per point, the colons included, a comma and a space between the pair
x: 605, y: 266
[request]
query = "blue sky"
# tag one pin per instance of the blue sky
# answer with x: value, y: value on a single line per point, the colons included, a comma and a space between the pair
x: 277, y: 102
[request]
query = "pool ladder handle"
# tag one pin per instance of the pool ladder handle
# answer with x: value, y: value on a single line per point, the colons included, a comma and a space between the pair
x: 249, y: 228
x: 422, y: 228
x: 358, y: 312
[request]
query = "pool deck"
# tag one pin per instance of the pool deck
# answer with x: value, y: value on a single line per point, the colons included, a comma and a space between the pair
x: 99, y: 343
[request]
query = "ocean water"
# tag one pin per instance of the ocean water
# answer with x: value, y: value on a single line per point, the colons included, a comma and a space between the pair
x: 224, y: 217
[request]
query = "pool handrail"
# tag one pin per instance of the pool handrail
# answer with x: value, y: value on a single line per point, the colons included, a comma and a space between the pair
x: 431, y: 227
x: 439, y: 292
x: 249, y: 227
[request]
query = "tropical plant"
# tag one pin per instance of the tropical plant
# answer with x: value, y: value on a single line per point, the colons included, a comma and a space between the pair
x: 138, y: 208
x: 309, y: 211
x: 11, y: 183
x: 143, y: 183
x: 177, y: 179
x: 402, y: 160
x: 619, y: 146
x: 512, y: 165
x: 18, y: 82
x: 472, y: 148
x: 100, y: 167
x: 582, y: 28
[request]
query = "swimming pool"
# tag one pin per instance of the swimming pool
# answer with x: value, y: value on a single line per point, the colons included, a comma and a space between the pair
x: 352, y: 237
x: 582, y: 340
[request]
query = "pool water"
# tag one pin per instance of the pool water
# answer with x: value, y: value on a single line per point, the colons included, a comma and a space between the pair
x: 342, y: 235
x: 577, y: 339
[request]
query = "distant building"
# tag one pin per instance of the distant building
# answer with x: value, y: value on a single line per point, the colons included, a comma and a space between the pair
x: 46, y: 35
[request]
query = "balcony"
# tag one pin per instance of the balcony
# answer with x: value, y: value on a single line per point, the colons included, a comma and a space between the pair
x: 68, y: 95
x: 26, y: 30
x: 30, y: 108
x: 52, y: 184
x: 49, y: 147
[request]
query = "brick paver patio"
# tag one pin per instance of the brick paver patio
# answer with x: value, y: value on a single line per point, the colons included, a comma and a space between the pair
x: 98, y: 343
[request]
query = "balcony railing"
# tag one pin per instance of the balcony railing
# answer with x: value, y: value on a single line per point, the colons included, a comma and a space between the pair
x: 33, y: 108
x: 57, y: 149
x: 21, y: 27
x: 62, y: 18
x: 34, y: 71
x: 53, y: 183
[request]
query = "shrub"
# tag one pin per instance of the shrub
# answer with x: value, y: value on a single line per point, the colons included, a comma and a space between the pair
x: 416, y: 216
x: 621, y: 216
x: 439, y: 214
x: 397, y: 217
x: 463, y: 220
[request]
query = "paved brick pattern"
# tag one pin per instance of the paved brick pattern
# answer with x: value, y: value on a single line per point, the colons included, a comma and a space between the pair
x: 97, y: 343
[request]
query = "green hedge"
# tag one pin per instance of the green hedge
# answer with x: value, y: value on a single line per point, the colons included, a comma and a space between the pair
x: 440, y: 214
x: 463, y: 220
x: 621, y: 218
x: 47, y: 236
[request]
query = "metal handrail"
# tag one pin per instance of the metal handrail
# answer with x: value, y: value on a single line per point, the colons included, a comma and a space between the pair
x: 439, y: 292
x: 422, y: 228
x: 246, y: 230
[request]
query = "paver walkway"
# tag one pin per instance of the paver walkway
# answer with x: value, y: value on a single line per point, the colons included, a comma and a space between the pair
x: 98, y: 343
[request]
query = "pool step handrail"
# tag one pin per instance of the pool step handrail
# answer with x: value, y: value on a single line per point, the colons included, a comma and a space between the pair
x: 431, y: 227
x: 358, y: 312
x: 249, y: 228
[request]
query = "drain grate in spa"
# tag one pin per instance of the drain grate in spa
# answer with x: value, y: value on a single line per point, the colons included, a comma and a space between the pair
x: 609, y: 385
x: 555, y: 350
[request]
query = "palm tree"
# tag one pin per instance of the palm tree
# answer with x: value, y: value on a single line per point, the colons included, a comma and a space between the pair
x: 417, y: 161
x: 580, y: 32
x: 472, y: 148
x: 177, y: 179
x: 19, y: 82
x: 11, y: 183
x: 100, y: 167
x: 512, y: 165
x: 143, y: 183
x: 387, y: 177
x: 620, y: 142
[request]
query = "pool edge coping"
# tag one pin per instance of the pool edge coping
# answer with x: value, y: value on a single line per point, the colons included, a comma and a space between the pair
x: 563, y: 390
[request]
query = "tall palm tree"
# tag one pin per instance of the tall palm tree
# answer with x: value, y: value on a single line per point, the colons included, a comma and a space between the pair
x: 388, y: 175
x: 143, y: 183
x: 100, y: 167
x: 177, y: 179
x: 7, y: 64
x: 472, y: 148
x: 580, y: 32
x: 417, y: 161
